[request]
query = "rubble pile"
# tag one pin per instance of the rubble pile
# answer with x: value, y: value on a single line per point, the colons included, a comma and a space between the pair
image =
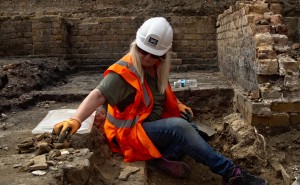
x: 42, y: 143
x: 49, y: 154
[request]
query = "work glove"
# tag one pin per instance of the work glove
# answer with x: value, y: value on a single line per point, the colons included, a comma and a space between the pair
x: 185, y: 112
x: 66, y: 129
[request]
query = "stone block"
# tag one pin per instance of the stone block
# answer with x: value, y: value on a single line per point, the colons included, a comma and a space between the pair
x: 287, y: 65
x: 261, y: 108
x: 39, y: 25
x: 127, y: 171
x: 176, y: 61
x: 275, y: 119
x: 275, y: 8
x: 242, y: 104
x: 293, y: 106
x: 276, y: 19
x: 263, y: 39
x: 244, y: 21
x: 7, y: 30
x: 57, y: 31
x: 58, y: 38
x: 59, y: 51
x: 281, y: 49
x: 260, y: 8
x: 56, y: 25
x: 266, y: 66
x: 192, y: 36
x: 292, y: 82
x: 280, y: 39
x: 256, y: 109
x: 295, y: 118
x: 262, y: 29
x: 39, y: 163
x: 270, y: 93
x: 280, y: 29
x: 265, y: 52
x: 252, y: 18
x: 296, y: 46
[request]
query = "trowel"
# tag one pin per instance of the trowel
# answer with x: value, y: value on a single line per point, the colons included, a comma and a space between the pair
x: 205, y: 131
x: 296, y: 182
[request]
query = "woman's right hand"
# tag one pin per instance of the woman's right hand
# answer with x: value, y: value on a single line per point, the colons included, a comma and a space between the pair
x: 66, y: 129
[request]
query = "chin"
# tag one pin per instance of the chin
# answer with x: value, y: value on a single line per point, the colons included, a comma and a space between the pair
x: 148, y: 64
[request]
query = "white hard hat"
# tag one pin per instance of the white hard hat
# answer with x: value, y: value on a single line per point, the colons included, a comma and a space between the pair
x: 155, y: 36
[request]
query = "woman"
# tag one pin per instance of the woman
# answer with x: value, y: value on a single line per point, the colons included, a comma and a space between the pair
x: 145, y: 120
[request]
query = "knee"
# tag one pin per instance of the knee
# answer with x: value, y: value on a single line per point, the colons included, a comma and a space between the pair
x: 182, y: 126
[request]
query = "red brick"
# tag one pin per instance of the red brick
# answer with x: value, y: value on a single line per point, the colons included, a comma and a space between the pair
x: 286, y: 106
x: 281, y: 119
x: 295, y: 119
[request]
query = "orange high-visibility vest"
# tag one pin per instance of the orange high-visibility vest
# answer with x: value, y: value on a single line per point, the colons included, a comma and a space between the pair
x: 126, y: 127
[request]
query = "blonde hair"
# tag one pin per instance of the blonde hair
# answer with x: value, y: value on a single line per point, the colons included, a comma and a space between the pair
x: 163, y: 68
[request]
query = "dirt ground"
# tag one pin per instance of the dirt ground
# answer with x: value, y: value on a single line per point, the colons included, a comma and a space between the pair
x: 116, y: 8
x: 22, y: 112
x: 87, y: 8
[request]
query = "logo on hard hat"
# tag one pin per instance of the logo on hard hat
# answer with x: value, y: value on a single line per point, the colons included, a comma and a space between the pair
x: 152, y: 41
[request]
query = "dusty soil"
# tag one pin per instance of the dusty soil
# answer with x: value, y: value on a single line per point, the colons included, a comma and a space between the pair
x: 116, y: 8
x: 17, y: 121
x: 88, y: 8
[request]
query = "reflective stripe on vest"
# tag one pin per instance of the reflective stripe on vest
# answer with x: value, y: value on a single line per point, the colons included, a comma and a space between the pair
x: 119, y: 123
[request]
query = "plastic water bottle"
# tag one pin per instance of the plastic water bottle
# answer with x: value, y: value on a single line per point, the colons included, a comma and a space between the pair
x: 192, y: 82
x: 183, y: 83
x: 177, y: 84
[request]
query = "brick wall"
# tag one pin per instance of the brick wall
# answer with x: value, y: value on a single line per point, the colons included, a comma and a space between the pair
x: 50, y: 35
x: 195, y: 40
x: 254, y: 51
x: 104, y: 38
x: 15, y: 36
x: 236, y: 47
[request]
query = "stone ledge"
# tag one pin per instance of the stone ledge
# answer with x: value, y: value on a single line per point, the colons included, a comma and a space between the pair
x: 267, y: 113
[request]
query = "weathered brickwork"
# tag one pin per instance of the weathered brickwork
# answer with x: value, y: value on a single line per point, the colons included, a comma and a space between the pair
x: 104, y: 38
x: 50, y: 36
x: 195, y: 39
x: 255, y: 51
x: 15, y: 36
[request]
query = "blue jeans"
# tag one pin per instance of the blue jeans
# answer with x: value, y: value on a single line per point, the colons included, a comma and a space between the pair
x: 175, y: 137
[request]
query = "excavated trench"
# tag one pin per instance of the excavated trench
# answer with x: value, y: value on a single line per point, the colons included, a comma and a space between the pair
x: 211, y: 102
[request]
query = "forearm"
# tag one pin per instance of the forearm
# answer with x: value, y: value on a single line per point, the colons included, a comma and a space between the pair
x: 89, y: 104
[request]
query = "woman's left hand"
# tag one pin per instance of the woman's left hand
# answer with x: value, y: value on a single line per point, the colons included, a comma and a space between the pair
x: 186, y: 112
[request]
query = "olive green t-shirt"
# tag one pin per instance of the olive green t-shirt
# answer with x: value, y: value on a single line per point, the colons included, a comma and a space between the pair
x: 119, y: 93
